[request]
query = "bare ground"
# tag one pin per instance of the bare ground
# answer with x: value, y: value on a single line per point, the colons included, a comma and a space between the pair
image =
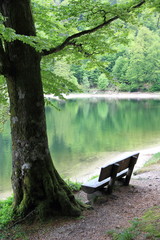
x: 108, y: 212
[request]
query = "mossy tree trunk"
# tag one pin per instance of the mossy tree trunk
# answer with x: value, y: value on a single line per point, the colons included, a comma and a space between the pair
x: 36, y: 183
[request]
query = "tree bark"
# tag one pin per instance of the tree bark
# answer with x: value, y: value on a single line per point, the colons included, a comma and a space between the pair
x: 36, y: 183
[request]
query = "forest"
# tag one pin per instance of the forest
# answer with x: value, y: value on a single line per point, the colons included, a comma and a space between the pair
x: 130, y: 64
x: 128, y: 61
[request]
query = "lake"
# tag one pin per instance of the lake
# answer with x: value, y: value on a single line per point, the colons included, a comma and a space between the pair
x: 87, y: 132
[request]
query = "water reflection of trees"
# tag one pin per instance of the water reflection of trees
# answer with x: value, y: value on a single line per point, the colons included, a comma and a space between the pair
x: 5, y: 158
x: 85, y: 127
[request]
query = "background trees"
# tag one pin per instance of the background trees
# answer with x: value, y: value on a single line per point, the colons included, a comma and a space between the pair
x: 132, y: 61
x: 137, y: 69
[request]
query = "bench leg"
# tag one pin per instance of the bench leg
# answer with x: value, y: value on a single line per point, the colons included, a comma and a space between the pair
x: 130, y: 170
x: 113, y: 178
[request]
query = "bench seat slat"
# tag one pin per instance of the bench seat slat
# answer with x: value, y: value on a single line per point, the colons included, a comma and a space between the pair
x: 121, y: 174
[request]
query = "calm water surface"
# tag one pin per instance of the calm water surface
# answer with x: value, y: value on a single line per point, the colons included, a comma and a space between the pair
x: 85, y: 131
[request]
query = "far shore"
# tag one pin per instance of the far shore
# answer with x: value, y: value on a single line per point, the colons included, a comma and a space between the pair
x: 110, y: 95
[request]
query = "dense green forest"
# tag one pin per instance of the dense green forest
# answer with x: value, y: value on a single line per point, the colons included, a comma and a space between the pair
x: 132, y: 66
x: 131, y: 63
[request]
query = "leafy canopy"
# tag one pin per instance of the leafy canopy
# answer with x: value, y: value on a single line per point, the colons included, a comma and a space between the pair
x: 77, y: 29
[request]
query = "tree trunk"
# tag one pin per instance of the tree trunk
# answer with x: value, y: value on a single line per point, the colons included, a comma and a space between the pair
x: 36, y: 183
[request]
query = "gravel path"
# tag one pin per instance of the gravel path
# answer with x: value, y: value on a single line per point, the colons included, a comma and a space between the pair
x: 109, y: 212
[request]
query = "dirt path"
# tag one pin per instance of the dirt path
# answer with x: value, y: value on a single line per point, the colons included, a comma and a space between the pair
x: 109, y: 212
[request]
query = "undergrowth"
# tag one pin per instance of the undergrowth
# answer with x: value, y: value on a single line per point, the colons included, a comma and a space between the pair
x: 6, y: 211
x: 74, y: 186
x: 6, y: 217
x: 146, y: 227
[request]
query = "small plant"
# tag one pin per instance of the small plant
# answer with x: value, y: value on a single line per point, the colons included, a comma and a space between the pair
x: 126, y: 234
x: 150, y: 222
x: 74, y: 186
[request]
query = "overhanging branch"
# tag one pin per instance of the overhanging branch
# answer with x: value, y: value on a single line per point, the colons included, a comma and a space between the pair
x: 69, y: 40
x: 77, y: 35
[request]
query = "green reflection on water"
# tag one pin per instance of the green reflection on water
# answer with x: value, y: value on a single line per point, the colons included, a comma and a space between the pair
x: 87, y: 130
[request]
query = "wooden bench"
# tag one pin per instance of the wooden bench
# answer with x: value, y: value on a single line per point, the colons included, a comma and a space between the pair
x: 112, y: 172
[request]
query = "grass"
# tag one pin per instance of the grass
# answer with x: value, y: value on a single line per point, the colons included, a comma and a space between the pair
x: 93, y: 177
x: 7, y: 230
x: 155, y: 159
x: 146, y: 227
x: 74, y: 186
x: 150, y: 164
x: 6, y: 211
x: 16, y: 233
x: 151, y: 223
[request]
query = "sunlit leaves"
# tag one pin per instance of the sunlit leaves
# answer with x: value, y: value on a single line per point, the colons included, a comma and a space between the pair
x: 55, y: 82
x: 4, y: 106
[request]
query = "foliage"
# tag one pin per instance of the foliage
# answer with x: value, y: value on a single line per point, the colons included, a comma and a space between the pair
x: 4, y: 114
x: 4, y: 106
x: 62, y: 69
x: 3, y: 90
x: 138, y: 67
x: 6, y: 211
x: 85, y: 82
x: 103, y: 82
x: 134, y: 67
x: 74, y: 186
x: 54, y: 83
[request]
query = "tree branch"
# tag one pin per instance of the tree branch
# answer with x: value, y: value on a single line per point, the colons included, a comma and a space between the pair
x: 77, y: 35
x: 139, y: 4
x: 68, y: 40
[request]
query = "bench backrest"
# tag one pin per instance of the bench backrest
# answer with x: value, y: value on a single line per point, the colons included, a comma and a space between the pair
x: 125, y: 163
